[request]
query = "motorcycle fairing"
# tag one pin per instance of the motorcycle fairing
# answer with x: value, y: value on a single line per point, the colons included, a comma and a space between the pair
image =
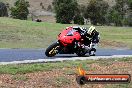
x: 67, y: 36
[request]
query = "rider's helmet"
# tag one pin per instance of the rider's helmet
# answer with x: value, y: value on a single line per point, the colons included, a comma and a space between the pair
x: 91, y: 30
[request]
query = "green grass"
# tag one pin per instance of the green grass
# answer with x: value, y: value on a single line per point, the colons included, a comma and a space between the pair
x: 27, y: 34
x: 118, y: 34
x: 28, y: 68
x: 16, y: 33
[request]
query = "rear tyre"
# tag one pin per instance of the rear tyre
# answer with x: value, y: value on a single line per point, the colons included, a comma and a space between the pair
x: 81, y: 53
x: 52, y: 50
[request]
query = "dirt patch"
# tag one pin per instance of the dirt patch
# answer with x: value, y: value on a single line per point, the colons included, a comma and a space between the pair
x: 112, y: 44
x: 65, y: 77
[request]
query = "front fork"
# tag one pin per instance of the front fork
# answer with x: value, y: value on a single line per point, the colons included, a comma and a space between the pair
x: 54, y: 50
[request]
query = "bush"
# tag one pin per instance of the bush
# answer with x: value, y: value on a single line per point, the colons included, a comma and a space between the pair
x: 128, y: 20
x: 20, y: 11
x: 65, y: 10
x: 3, y: 10
x: 96, y: 11
x: 114, y: 16
x: 78, y: 19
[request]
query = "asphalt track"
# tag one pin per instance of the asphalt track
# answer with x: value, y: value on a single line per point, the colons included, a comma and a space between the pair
x: 38, y: 55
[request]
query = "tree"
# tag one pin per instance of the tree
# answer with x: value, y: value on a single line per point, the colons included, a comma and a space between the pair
x: 130, y: 19
x: 122, y: 8
x: 113, y: 16
x: 3, y: 9
x: 20, y: 11
x: 120, y: 14
x: 78, y: 19
x: 96, y: 11
x: 130, y: 13
x: 65, y: 10
x: 130, y: 4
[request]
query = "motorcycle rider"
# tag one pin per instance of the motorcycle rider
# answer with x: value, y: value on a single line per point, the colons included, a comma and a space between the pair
x: 91, y: 37
x: 94, y: 36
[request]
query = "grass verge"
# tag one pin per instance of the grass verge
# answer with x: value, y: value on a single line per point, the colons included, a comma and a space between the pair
x: 16, y: 33
x: 62, y: 74
x: 28, y: 68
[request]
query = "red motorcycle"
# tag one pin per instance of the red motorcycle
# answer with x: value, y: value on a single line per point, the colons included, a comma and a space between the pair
x: 70, y: 41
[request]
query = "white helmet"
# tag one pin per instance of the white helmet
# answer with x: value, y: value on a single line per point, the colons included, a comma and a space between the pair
x: 91, y: 30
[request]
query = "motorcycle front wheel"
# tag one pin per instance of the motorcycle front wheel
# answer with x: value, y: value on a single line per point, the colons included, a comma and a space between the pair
x: 52, y: 50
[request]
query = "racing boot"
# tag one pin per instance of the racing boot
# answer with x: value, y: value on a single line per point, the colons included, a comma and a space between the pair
x: 92, y: 52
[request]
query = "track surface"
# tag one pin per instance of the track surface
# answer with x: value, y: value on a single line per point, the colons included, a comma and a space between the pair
x: 9, y: 55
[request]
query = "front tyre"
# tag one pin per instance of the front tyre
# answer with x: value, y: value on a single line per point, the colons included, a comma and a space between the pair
x: 52, y: 50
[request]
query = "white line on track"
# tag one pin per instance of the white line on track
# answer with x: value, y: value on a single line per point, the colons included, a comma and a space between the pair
x: 64, y: 59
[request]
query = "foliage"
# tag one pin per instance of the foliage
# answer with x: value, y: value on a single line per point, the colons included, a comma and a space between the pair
x: 20, y: 11
x: 96, y: 11
x: 3, y: 9
x: 65, y: 10
x: 78, y: 19
x: 129, y: 19
x: 114, y: 16
x: 101, y: 13
x: 121, y: 8
x: 130, y: 4
x: 120, y: 14
x: 130, y: 13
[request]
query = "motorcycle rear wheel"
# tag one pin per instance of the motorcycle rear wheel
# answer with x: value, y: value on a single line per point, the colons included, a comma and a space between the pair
x: 81, y: 53
x: 52, y: 50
